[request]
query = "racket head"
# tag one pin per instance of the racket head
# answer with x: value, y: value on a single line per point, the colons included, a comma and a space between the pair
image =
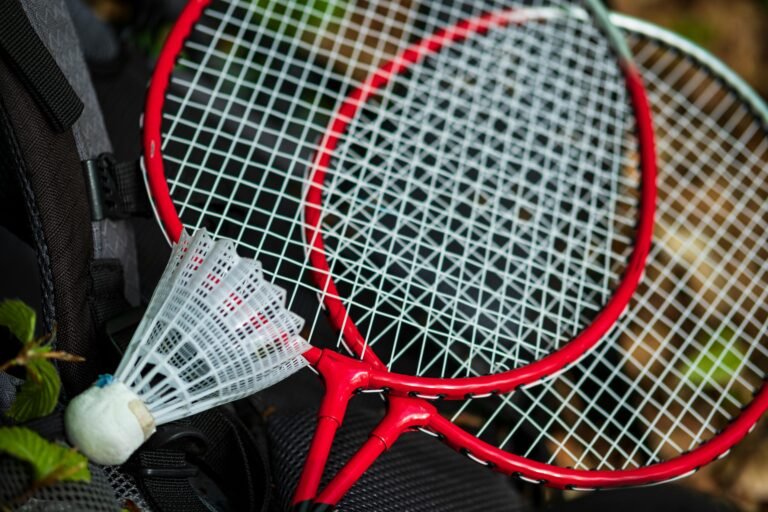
x: 681, y: 379
x: 463, y: 370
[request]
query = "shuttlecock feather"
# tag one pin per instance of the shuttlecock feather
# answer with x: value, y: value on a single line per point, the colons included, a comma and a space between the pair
x: 214, y: 331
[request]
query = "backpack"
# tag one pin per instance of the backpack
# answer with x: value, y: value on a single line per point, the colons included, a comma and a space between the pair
x: 71, y: 206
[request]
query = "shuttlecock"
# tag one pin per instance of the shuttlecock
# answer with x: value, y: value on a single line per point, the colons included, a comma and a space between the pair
x: 214, y: 331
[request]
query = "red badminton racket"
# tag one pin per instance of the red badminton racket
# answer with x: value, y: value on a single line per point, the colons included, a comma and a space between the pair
x: 473, y: 185
x: 681, y: 377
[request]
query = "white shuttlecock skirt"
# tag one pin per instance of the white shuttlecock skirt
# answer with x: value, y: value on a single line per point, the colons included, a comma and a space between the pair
x: 215, y: 331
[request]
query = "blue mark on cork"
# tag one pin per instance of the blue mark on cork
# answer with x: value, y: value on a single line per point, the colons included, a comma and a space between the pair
x: 104, y: 379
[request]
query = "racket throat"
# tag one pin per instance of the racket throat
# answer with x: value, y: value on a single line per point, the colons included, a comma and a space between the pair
x: 403, y: 414
x: 342, y: 376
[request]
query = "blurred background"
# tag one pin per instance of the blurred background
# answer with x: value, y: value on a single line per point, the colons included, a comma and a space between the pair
x: 734, y: 30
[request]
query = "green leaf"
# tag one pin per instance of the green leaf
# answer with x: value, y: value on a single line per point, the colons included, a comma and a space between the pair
x: 304, y: 15
x: 39, y: 393
x: 19, y: 319
x: 717, y: 361
x: 51, y: 462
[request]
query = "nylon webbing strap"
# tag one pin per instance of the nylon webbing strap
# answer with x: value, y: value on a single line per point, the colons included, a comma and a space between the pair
x: 29, y: 58
x: 116, y: 189
x: 178, y: 471
x: 107, y: 296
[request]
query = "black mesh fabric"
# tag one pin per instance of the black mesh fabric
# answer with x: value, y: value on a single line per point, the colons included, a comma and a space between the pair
x: 125, y: 488
x: 15, y: 477
x: 417, y: 474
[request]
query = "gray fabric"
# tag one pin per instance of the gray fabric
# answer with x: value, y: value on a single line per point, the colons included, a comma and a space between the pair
x: 96, y: 496
x: 54, y: 26
x: 8, y: 386
x: 116, y: 239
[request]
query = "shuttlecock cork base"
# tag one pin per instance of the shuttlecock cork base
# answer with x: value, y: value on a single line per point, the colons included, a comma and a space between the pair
x: 215, y: 331
x: 108, y: 422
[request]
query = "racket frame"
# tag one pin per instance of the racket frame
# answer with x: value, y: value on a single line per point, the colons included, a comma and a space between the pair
x: 425, y: 387
x: 417, y: 413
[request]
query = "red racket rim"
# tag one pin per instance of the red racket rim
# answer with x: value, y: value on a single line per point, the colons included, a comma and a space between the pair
x: 492, y: 456
x: 313, y: 215
x: 591, y: 479
x: 430, y: 387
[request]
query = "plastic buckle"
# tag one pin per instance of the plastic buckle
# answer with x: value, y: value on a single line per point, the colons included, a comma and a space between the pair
x: 182, y: 438
x: 103, y: 193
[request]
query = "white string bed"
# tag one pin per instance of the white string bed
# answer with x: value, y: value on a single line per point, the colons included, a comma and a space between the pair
x: 693, y: 348
x: 478, y: 211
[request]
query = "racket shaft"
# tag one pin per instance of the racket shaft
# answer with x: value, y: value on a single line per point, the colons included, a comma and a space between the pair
x: 351, y: 473
x: 342, y: 376
x: 319, y: 450
x: 403, y: 414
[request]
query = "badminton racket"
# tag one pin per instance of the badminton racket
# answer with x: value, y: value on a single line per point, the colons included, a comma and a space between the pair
x: 468, y: 188
x: 681, y: 377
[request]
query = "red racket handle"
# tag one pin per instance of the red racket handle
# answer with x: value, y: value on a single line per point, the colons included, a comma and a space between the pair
x: 342, y: 376
x: 403, y: 414
x: 319, y: 450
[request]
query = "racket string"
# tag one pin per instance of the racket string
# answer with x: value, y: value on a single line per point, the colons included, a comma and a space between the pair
x: 348, y: 214
x: 633, y: 402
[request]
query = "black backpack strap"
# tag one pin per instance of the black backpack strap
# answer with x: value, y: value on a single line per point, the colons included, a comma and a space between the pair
x: 45, y: 163
x: 208, y: 462
x: 28, y: 56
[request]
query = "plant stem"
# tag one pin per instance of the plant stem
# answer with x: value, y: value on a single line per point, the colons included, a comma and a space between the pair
x: 53, y: 477
x: 23, y: 358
